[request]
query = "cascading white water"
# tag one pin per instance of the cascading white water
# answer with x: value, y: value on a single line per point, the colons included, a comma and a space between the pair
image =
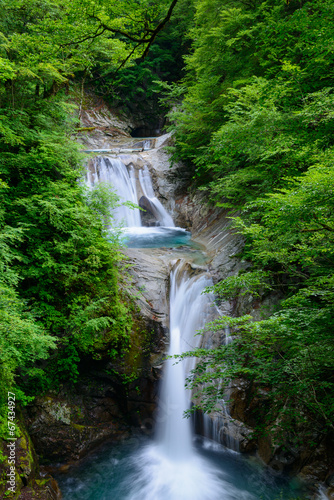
x: 159, y: 211
x: 189, y: 311
x: 147, y: 144
x: 114, y: 172
x: 171, y: 469
x: 219, y: 425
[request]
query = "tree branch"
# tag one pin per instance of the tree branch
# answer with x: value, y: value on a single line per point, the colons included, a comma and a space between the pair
x: 128, y: 57
x: 160, y: 26
x: 145, y: 38
x: 120, y: 32
x: 88, y: 37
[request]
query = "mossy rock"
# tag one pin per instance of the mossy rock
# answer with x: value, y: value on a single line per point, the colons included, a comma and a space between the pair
x: 28, y: 482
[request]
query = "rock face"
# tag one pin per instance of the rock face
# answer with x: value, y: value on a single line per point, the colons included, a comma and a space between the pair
x: 100, y: 126
x: 66, y: 427
x: 103, y: 128
x: 111, y: 397
x: 149, y: 273
x: 30, y: 482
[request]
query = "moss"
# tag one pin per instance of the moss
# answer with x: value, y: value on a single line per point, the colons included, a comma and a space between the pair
x: 133, y: 358
x: 79, y: 427
x: 85, y: 129
x: 42, y: 482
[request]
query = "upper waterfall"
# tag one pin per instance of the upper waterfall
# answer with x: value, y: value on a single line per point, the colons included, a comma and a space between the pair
x: 114, y: 172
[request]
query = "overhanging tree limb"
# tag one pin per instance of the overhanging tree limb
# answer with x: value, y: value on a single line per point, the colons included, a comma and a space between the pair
x: 120, y: 32
x: 160, y: 26
x: 149, y: 34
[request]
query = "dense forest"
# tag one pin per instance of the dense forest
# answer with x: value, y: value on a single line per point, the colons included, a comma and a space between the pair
x: 256, y: 129
x: 248, y: 90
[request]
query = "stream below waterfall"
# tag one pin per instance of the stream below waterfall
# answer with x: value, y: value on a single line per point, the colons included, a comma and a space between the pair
x: 136, y: 470
x: 173, y: 464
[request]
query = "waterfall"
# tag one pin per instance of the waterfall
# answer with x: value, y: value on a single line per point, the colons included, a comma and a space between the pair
x: 189, y: 311
x: 156, y: 207
x: 115, y: 173
x: 171, y: 468
x: 229, y: 437
x: 219, y: 425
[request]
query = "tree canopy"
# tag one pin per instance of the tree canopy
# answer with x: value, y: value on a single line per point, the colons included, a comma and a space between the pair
x: 255, y: 132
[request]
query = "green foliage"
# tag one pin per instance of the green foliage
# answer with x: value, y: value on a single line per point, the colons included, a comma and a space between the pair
x: 255, y: 131
x: 296, y: 225
x: 67, y: 265
x: 254, y: 112
x: 289, y: 355
x: 238, y: 285
x: 22, y: 342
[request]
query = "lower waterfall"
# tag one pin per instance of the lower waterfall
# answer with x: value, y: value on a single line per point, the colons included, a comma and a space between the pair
x: 189, y: 311
x: 170, y: 468
x: 173, y: 466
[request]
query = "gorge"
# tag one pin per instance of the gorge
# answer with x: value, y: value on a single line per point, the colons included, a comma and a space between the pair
x: 169, y: 466
x: 151, y: 451
x: 166, y: 166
